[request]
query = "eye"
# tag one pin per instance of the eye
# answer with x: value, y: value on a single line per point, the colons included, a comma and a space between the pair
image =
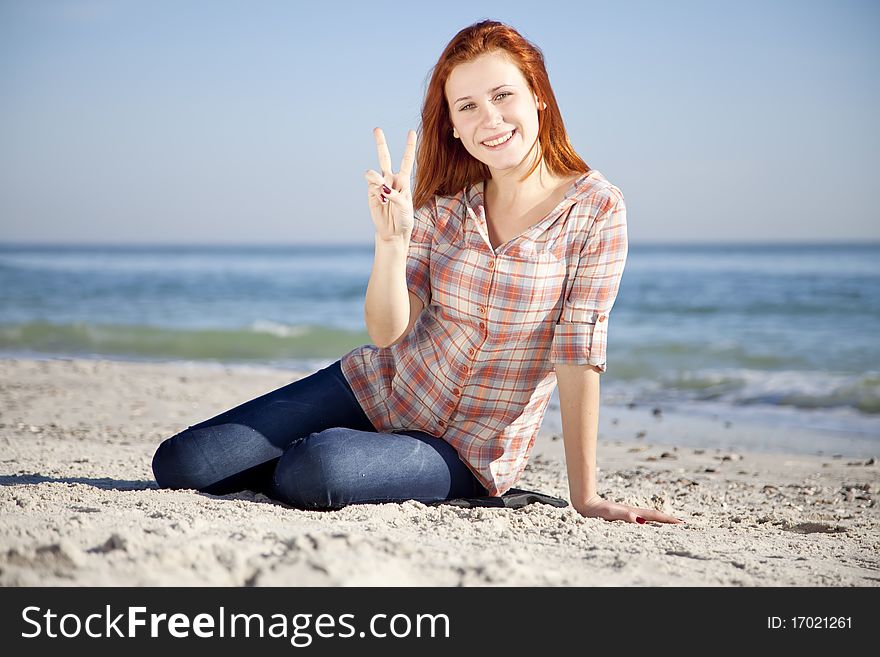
x: 503, y: 93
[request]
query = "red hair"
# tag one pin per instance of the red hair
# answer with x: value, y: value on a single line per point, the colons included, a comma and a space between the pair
x: 443, y: 165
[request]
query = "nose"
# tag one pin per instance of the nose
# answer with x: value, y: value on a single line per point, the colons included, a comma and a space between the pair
x: 492, y: 117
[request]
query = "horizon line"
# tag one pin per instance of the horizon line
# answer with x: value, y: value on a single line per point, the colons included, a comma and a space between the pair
x: 277, y: 245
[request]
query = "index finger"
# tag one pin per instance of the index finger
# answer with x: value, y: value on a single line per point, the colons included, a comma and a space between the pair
x: 382, y: 148
x: 409, y: 155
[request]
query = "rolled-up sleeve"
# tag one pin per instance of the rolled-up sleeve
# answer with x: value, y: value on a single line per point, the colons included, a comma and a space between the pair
x: 418, y: 259
x: 581, y: 335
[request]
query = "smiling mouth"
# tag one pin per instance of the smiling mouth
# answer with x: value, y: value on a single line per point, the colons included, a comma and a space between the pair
x: 495, y: 143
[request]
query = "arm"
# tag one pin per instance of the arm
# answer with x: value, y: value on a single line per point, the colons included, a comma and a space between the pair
x: 578, y: 354
x: 579, y: 405
x: 390, y: 310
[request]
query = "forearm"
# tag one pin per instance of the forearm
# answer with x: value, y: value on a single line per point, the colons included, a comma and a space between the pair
x: 579, y: 406
x: 386, y: 309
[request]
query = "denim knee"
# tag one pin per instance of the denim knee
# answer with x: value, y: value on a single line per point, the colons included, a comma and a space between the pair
x: 161, y: 464
x: 314, y: 473
x: 177, y: 464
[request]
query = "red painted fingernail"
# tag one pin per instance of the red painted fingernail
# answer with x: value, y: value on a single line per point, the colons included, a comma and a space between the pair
x: 382, y: 196
x: 385, y: 189
x: 640, y: 520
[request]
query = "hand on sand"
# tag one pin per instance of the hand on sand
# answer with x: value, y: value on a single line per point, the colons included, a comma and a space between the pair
x: 596, y: 507
x: 389, y: 194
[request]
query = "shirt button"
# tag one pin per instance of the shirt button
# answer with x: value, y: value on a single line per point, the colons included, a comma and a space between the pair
x: 491, y: 264
x: 466, y: 370
x: 456, y: 392
x: 441, y: 423
x: 601, y: 318
x: 482, y: 326
x: 471, y: 352
x: 482, y: 310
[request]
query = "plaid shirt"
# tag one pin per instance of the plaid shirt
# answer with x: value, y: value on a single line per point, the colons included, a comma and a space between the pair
x: 477, y: 368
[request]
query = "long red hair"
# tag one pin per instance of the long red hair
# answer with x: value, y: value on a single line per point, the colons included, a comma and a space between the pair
x: 443, y: 166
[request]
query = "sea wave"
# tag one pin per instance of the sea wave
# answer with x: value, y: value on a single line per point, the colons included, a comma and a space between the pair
x: 805, y: 390
x: 723, y: 373
x: 262, y: 341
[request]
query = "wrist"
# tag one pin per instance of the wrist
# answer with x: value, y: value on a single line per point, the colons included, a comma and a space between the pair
x: 392, y: 242
x: 585, y: 501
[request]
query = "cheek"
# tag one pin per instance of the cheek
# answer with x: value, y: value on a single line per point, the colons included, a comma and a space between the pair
x: 463, y: 122
x: 465, y: 129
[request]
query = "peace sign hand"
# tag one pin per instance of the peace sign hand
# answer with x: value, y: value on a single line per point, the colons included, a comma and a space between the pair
x: 389, y: 193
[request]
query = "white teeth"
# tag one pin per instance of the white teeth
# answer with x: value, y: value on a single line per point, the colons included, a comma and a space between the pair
x: 500, y: 140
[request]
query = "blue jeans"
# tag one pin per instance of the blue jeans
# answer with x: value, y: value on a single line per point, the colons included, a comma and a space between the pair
x: 309, y: 444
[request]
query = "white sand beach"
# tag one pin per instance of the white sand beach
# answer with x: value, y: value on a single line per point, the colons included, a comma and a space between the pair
x: 79, y: 505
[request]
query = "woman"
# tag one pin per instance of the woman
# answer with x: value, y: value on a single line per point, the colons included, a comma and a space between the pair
x: 497, y: 288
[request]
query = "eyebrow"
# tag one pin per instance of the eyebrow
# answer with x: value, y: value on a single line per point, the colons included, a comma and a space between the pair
x: 490, y: 91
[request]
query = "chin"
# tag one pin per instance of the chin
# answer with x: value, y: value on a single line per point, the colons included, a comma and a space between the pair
x: 510, y: 162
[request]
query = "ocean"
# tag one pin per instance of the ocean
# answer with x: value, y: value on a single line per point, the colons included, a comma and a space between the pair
x: 786, y: 334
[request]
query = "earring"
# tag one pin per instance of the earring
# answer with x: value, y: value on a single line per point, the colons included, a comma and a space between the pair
x: 455, y: 133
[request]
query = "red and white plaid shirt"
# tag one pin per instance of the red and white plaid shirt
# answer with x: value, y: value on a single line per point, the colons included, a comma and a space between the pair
x: 477, y: 368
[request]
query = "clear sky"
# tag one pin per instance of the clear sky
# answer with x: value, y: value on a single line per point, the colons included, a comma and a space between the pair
x: 168, y: 121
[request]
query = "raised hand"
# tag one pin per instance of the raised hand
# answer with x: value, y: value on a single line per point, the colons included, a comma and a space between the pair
x: 596, y: 507
x: 388, y: 193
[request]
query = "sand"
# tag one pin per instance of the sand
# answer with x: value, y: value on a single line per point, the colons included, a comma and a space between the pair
x: 78, y: 505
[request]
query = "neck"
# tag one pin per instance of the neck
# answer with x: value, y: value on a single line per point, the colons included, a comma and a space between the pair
x: 506, y: 190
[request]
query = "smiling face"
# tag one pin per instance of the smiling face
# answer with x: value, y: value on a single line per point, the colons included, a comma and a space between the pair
x: 490, y: 101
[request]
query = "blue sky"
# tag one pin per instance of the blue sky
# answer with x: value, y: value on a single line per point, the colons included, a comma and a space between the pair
x: 250, y: 122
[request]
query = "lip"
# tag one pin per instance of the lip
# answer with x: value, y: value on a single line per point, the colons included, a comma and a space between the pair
x: 512, y: 134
